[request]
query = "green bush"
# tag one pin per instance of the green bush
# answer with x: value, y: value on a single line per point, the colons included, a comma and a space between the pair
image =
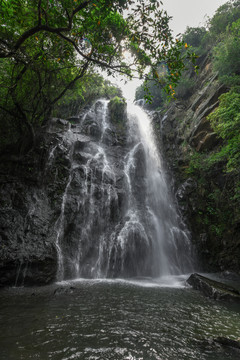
x: 226, y: 55
x: 117, y: 109
x: 197, y: 38
x: 225, y: 121
x: 224, y: 17
x: 84, y: 92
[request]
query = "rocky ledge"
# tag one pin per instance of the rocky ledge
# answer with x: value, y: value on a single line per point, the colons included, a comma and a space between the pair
x: 227, y: 342
x: 213, y: 289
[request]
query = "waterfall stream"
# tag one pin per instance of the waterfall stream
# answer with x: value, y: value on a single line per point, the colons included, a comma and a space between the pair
x: 118, y: 217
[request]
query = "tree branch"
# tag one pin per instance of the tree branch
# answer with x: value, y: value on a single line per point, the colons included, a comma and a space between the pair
x: 95, y: 61
x: 54, y: 101
x: 82, y: 72
x: 39, y: 13
x: 41, y: 27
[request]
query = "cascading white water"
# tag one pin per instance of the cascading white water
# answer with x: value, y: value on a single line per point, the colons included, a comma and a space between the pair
x: 170, y: 236
x: 125, y: 222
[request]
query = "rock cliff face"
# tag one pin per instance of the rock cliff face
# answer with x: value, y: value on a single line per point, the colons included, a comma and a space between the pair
x: 204, y: 195
x: 35, y: 212
x: 90, y: 201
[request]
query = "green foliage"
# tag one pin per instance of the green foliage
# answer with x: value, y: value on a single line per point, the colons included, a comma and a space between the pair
x: 227, y: 53
x: 224, y: 17
x: 198, y: 38
x: 217, y: 173
x: 194, y: 36
x: 117, y: 109
x: 222, y: 39
x: 230, y: 80
x: 196, y: 163
x: 225, y: 121
x: 83, y: 93
x: 47, y: 46
x: 226, y: 118
x: 217, y: 205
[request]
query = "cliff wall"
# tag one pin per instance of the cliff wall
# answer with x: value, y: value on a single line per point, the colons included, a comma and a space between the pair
x: 208, y: 195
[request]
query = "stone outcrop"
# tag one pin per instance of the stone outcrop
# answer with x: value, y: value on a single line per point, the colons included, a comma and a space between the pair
x: 203, y: 137
x: 32, y: 191
x: 227, y: 342
x: 213, y: 289
x: 186, y: 135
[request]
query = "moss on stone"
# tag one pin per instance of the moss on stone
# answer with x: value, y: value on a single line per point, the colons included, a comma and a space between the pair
x: 117, y: 110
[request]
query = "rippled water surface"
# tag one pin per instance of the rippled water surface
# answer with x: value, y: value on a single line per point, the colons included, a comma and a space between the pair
x: 114, y: 320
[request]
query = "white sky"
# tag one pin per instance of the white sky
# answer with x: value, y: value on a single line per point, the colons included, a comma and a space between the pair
x: 192, y: 13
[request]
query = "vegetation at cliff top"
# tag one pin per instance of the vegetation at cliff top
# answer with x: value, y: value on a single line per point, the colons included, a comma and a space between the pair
x: 225, y: 121
x: 83, y: 93
x: 117, y: 108
x: 47, y: 46
x: 220, y: 40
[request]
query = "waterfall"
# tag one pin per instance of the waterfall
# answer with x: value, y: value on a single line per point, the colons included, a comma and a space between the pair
x: 168, y: 233
x: 118, y: 217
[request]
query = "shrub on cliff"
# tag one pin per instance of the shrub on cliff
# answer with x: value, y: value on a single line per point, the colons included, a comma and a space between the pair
x: 224, y: 17
x: 225, y: 121
x: 226, y: 55
x: 84, y: 92
x: 197, y: 37
x: 117, y: 110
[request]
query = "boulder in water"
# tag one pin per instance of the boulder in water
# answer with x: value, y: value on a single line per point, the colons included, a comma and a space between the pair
x: 213, y: 289
x: 227, y: 342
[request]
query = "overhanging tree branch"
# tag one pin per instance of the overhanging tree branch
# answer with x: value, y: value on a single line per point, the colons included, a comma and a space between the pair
x: 43, y: 27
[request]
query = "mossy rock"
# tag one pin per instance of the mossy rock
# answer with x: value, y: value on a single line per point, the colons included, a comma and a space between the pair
x: 117, y: 110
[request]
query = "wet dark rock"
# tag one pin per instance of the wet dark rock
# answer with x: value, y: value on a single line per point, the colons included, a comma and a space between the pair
x: 68, y: 172
x: 64, y: 290
x: 211, y: 101
x: 186, y: 188
x: 156, y: 117
x: 227, y: 342
x: 208, y: 142
x: 57, y: 125
x: 214, y: 289
x: 185, y: 131
x: 91, y: 129
x: 203, y: 137
x: 74, y: 119
x: 203, y: 127
x: 202, y: 94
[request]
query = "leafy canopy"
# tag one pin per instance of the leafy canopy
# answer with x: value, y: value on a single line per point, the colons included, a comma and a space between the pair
x: 46, y: 46
x: 224, y: 16
x: 227, y: 53
x: 76, y: 31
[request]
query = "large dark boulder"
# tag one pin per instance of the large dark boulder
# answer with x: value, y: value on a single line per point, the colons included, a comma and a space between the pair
x: 213, y: 289
x: 227, y: 342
